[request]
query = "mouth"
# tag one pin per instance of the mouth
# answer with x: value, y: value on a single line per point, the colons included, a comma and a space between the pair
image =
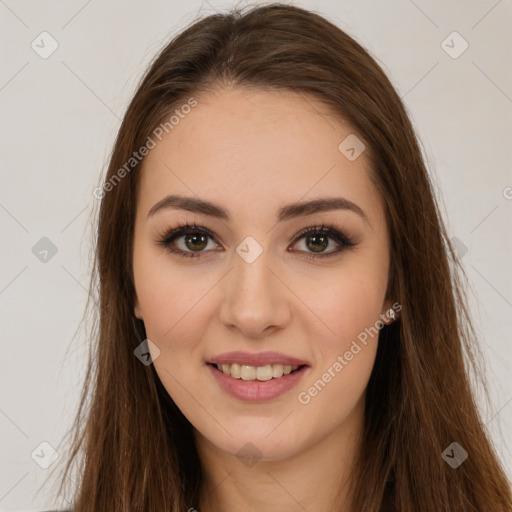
x: 257, y: 384
x: 256, y: 373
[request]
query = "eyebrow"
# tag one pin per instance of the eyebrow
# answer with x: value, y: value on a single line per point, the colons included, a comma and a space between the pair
x: 287, y: 212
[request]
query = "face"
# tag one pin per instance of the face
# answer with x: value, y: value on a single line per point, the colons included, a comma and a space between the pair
x: 256, y: 275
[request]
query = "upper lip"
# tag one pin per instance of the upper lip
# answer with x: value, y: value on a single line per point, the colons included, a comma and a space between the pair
x: 256, y: 359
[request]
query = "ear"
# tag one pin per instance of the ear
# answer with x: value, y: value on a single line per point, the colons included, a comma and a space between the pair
x: 136, y: 307
x: 384, y: 314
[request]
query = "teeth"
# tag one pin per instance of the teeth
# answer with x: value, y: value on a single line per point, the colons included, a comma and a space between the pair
x: 263, y: 373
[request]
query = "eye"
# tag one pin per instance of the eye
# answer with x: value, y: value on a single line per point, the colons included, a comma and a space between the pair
x: 195, y: 240
x: 317, y: 239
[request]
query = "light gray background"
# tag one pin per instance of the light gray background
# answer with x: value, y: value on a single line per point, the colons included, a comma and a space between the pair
x: 59, y: 119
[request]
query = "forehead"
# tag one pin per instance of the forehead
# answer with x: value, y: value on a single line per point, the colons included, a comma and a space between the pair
x: 255, y: 150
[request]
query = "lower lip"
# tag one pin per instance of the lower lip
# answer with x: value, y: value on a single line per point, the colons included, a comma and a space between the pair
x: 255, y: 390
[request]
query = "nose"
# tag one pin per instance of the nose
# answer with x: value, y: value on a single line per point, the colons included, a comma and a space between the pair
x: 255, y: 299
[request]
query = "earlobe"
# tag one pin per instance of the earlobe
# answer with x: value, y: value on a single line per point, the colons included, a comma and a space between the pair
x: 137, y: 311
x: 389, y: 313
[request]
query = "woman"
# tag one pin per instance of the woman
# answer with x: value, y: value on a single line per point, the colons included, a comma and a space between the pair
x: 279, y: 324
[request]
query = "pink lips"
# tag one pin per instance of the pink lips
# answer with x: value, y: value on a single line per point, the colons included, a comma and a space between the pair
x: 255, y: 390
x: 259, y: 359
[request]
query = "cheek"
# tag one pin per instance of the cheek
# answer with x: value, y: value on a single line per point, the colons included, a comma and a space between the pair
x: 352, y: 313
x: 350, y: 302
x: 345, y: 358
x: 169, y: 295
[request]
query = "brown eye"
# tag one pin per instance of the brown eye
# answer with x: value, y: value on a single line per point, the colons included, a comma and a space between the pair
x: 317, y: 243
x: 317, y: 239
x: 195, y: 240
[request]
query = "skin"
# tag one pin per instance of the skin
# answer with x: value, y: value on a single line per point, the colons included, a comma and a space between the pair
x: 251, y: 153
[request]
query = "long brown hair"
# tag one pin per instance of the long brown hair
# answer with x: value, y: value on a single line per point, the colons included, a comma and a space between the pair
x: 135, y: 447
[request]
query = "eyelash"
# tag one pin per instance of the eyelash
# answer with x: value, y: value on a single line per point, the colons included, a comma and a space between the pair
x: 167, y: 238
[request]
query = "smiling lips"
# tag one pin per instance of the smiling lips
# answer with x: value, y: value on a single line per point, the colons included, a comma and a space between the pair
x: 256, y: 377
x: 262, y: 373
x: 262, y: 366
